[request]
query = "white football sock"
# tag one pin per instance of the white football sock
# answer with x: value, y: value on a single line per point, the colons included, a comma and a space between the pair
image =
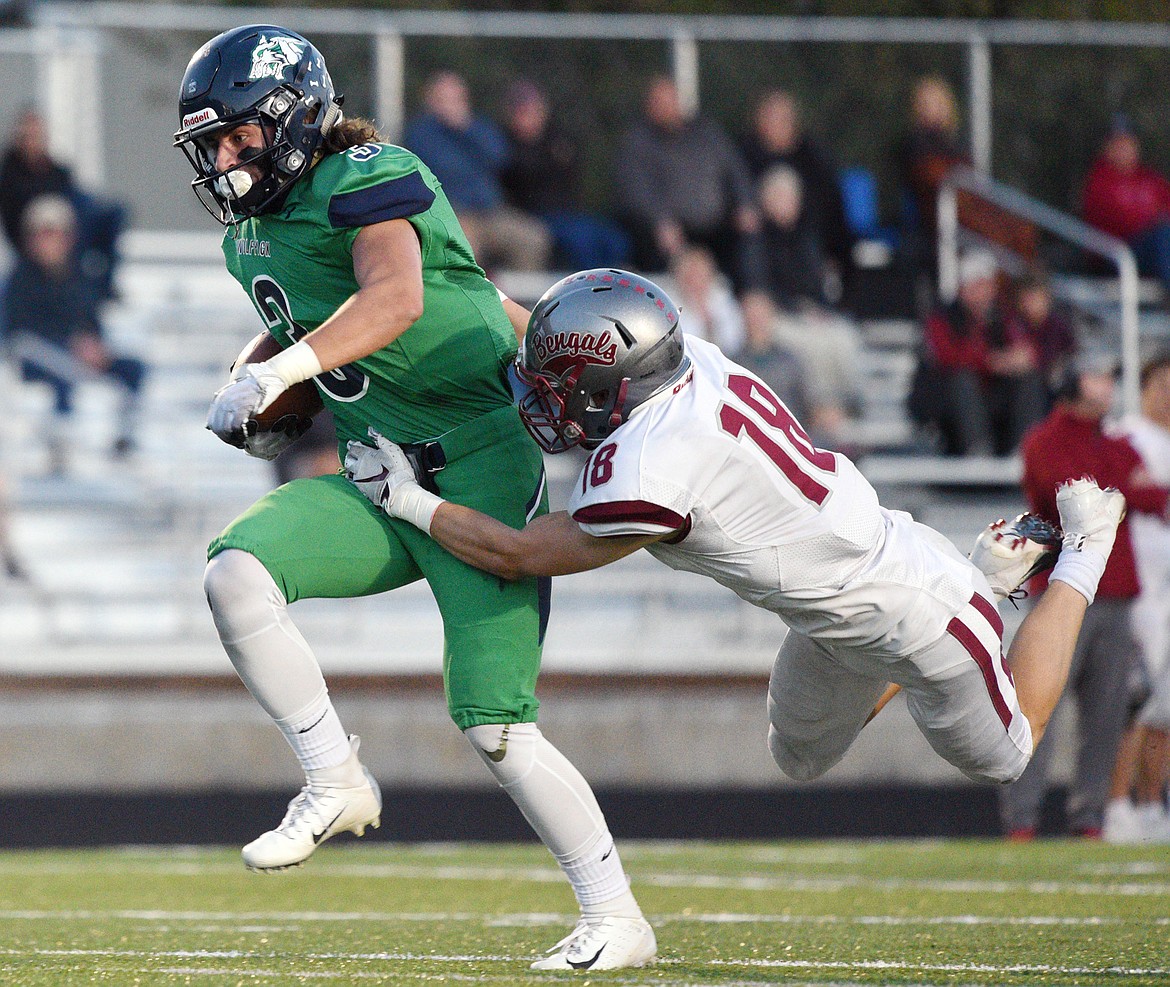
x: 318, y: 739
x: 559, y: 804
x: 272, y: 658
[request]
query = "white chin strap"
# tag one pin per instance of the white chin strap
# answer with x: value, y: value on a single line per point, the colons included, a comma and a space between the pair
x: 234, y: 185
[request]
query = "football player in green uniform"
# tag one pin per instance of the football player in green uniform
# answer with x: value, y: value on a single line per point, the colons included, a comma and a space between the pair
x: 358, y: 267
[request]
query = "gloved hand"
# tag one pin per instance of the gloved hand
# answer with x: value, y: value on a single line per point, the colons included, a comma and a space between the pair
x: 271, y: 443
x: 378, y: 471
x: 253, y: 387
x: 386, y: 477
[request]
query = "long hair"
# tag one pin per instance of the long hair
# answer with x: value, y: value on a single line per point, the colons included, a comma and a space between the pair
x: 350, y: 133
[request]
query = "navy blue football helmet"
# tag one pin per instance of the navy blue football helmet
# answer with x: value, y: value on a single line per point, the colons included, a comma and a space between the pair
x: 259, y: 74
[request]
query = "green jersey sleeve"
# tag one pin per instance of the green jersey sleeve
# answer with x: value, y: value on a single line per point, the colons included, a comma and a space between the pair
x: 377, y: 187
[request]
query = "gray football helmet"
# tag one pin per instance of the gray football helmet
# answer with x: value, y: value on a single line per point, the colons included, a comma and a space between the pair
x: 599, y: 344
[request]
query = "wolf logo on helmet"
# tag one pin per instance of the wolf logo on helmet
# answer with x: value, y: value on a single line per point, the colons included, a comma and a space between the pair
x: 273, y: 55
x: 599, y: 344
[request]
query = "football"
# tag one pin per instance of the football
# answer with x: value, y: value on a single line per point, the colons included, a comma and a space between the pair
x: 300, y: 402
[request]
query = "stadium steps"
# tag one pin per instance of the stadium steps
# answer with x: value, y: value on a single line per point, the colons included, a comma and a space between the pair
x: 116, y: 550
x: 1099, y: 298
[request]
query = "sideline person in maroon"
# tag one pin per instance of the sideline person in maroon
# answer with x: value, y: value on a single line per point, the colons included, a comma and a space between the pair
x: 1072, y: 442
x: 1125, y: 197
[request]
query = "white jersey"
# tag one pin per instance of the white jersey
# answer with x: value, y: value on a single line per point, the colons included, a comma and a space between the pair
x: 1150, y: 534
x: 791, y: 528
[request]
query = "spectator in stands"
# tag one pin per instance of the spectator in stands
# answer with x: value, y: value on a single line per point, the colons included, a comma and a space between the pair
x: 778, y: 138
x: 791, y: 264
x: 1130, y: 200
x: 28, y: 171
x: 543, y: 178
x: 681, y: 180
x: 1071, y: 442
x: 1137, y: 811
x: 931, y: 147
x: 52, y: 324
x: 1015, y: 388
x: 984, y: 384
x: 1033, y: 318
x: 708, y: 309
x: 467, y: 153
x: 929, y: 151
x: 775, y: 364
x: 789, y: 267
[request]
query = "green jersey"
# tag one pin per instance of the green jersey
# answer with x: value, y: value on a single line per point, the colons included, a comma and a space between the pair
x: 296, y: 264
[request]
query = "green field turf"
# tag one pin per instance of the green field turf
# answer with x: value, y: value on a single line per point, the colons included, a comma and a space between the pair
x: 892, y: 912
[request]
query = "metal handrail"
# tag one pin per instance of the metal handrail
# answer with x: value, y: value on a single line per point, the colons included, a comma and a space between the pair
x: 1058, y: 224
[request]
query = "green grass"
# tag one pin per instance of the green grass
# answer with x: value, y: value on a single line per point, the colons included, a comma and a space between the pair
x: 892, y: 912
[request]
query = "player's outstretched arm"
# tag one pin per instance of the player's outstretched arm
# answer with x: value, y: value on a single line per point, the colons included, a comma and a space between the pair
x: 552, y: 545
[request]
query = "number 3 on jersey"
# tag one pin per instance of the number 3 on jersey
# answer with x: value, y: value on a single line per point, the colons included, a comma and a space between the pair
x: 342, y: 384
x: 800, y: 470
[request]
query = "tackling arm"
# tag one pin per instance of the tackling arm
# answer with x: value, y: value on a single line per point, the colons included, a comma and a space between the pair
x: 552, y: 545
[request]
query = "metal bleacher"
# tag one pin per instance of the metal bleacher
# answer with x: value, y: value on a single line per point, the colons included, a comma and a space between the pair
x: 115, y: 548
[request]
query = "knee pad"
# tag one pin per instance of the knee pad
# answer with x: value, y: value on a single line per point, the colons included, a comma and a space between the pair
x: 797, y: 766
x: 999, y: 774
x: 508, y: 749
x: 242, y: 595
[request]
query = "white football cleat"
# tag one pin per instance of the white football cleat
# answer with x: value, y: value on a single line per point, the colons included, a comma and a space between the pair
x: 1120, y: 824
x: 609, y: 943
x: 1009, y: 553
x: 318, y: 812
x: 1089, y: 515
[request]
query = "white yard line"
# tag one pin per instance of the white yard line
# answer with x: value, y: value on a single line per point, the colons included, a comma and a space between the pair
x: 387, y: 957
x: 528, y: 919
x: 742, y: 882
x: 757, y: 882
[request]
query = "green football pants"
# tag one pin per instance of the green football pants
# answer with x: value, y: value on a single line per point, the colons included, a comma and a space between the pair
x: 320, y: 537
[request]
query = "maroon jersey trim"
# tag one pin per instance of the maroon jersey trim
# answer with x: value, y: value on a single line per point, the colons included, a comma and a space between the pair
x: 629, y: 510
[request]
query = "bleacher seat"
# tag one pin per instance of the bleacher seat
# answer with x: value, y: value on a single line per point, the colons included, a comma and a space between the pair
x: 117, y: 551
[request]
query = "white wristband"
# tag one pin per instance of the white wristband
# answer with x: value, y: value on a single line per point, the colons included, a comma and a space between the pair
x: 295, y: 364
x: 414, y: 504
x: 1080, y: 570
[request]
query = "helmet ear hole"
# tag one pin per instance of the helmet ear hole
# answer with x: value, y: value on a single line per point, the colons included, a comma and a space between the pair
x: 597, y: 400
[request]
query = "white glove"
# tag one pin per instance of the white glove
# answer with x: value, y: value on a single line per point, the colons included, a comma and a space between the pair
x: 386, y: 477
x: 253, y: 387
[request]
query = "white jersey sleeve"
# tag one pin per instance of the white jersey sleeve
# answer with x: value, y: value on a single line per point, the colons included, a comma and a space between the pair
x: 620, y: 492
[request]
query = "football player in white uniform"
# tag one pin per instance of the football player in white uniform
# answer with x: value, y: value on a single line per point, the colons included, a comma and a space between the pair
x: 1146, y: 819
x: 697, y: 461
